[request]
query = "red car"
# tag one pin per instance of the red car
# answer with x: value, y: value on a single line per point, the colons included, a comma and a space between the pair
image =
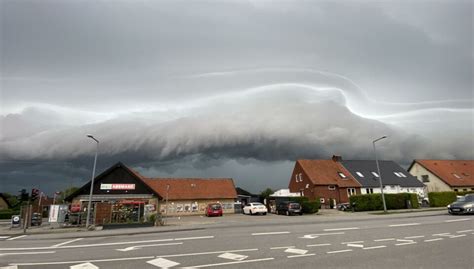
x: 214, y: 210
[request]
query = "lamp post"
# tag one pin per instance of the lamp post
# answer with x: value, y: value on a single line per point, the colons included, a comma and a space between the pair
x: 378, y: 171
x: 92, y: 181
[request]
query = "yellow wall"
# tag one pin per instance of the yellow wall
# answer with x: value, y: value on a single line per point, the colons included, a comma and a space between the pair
x: 435, y: 184
x: 194, y: 207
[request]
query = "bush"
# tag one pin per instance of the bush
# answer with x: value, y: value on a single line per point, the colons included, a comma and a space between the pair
x: 370, y: 202
x: 462, y: 193
x: 8, y: 213
x: 310, y: 207
x: 299, y: 200
x: 439, y: 199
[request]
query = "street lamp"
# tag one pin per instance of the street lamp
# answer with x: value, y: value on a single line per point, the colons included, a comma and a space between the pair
x: 92, y: 181
x: 378, y: 171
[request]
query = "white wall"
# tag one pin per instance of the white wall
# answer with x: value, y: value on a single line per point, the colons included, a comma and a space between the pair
x: 397, y: 189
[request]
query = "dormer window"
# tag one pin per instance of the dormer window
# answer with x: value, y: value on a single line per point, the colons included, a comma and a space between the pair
x: 341, y: 175
x: 360, y: 174
x: 307, y: 186
x: 375, y: 174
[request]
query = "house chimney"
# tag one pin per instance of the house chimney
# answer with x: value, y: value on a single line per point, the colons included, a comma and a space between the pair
x: 336, y: 158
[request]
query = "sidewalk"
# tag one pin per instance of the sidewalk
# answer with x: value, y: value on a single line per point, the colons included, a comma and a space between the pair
x: 189, y: 223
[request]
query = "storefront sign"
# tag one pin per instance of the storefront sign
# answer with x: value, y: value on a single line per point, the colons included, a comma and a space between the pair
x: 53, y: 213
x: 75, y: 208
x: 15, y: 221
x: 116, y: 186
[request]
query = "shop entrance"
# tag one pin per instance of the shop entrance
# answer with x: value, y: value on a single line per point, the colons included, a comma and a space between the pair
x: 128, y: 211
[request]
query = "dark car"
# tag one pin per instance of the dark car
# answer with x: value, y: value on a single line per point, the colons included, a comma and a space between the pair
x: 36, y: 219
x: 289, y: 208
x: 214, y: 210
x: 464, y: 205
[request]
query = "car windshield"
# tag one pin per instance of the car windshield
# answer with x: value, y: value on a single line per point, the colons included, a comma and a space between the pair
x: 467, y: 198
x: 295, y: 206
x: 254, y: 204
x: 216, y: 207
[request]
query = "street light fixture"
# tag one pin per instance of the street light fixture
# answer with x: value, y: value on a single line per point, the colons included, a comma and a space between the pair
x: 378, y: 171
x: 92, y: 181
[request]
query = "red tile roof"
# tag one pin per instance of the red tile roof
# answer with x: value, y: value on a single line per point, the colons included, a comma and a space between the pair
x: 447, y: 170
x: 325, y: 172
x: 193, y: 188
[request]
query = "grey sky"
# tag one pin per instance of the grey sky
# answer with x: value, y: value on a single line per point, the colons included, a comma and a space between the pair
x: 214, y: 88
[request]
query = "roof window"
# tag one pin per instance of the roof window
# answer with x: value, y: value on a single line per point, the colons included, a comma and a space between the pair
x: 360, y: 174
x: 375, y: 174
x: 456, y: 176
x: 341, y: 175
x: 397, y: 174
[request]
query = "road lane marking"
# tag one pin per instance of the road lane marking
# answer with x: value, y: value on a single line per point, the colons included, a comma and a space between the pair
x: 207, y: 253
x: 318, y: 245
x: 229, y: 263
x: 464, y: 231
x: 163, y: 263
x: 144, y: 246
x: 431, y: 240
x: 9, y: 267
x: 91, y: 261
x: 405, y: 240
x: 341, y: 229
x: 3, y: 237
x: 296, y: 251
x: 375, y: 247
x: 282, y: 247
x: 407, y: 243
x: 270, y: 233
x: 297, y: 256
x: 455, y: 220
x: 233, y: 256
x: 313, y: 236
x: 86, y: 265
x: 16, y: 237
x: 27, y: 253
x: 442, y: 234
x: 67, y: 242
x: 353, y: 242
x: 193, y: 238
x: 384, y: 239
x: 404, y: 224
x: 456, y: 236
x: 339, y: 251
x: 355, y: 245
x: 415, y: 236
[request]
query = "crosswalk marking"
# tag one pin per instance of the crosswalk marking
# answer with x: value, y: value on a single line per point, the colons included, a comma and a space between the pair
x: 163, y: 263
x: 296, y: 251
x: 86, y: 265
x: 233, y: 256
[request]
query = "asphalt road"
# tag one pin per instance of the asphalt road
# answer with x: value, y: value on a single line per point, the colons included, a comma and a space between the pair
x: 439, y: 241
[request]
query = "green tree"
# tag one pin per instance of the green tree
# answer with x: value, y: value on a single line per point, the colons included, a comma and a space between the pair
x: 266, y: 193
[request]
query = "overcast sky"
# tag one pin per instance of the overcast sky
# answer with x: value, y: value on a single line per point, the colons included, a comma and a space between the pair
x: 236, y: 89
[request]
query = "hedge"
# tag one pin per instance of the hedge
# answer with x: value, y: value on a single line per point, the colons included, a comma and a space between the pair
x: 309, y: 207
x: 370, y: 202
x: 8, y: 213
x: 439, y: 199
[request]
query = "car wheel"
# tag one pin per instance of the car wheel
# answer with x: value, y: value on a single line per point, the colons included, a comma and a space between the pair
x: 301, y: 214
x: 264, y: 213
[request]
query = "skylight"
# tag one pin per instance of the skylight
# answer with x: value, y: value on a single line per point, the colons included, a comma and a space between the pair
x: 342, y: 175
x: 375, y: 174
x: 456, y: 176
x: 359, y: 174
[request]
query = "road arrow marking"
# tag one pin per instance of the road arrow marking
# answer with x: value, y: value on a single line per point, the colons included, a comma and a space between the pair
x: 296, y: 251
x: 313, y: 236
x: 232, y: 256
x: 144, y: 246
x: 86, y: 265
x: 163, y: 263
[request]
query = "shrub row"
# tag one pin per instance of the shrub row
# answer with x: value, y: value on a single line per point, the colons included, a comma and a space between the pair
x: 370, y: 202
x: 438, y: 199
x: 309, y: 207
x: 8, y: 213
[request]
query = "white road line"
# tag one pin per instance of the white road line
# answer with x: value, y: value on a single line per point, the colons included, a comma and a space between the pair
x: 353, y: 242
x: 431, y: 240
x: 415, y: 236
x: 270, y: 233
x: 3, y: 237
x: 341, y: 229
x: 456, y: 236
x: 339, y: 251
x: 91, y: 261
x: 16, y: 237
x: 282, y: 247
x: 404, y: 224
x: 355, y: 245
x: 67, y: 242
x: 384, y: 239
x: 375, y: 247
x: 144, y: 246
x: 206, y: 253
x: 442, y: 234
x: 405, y: 240
x: 27, y: 253
x: 228, y: 263
x: 194, y: 238
x: 464, y: 231
x: 318, y: 245
x: 455, y: 220
x: 407, y: 243
x: 304, y: 255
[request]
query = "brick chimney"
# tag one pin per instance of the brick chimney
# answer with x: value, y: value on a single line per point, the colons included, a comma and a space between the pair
x: 336, y: 158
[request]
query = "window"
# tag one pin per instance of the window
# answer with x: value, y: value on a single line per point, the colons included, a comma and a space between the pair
x: 456, y: 176
x: 331, y: 187
x: 375, y: 174
x: 299, y: 177
x: 321, y: 200
x: 351, y: 191
x: 425, y: 178
x: 307, y: 186
x: 397, y: 174
x: 402, y: 174
x: 392, y: 187
x: 464, y: 189
x: 342, y: 175
x: 359, y: 174
x: 369, y: 190
x: 472, y: 189
x: 456, y: 190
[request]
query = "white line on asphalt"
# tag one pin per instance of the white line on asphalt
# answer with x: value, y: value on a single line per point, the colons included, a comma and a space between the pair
x: 355, y: 245
x: 384, y: 239
x: 206, y: 253
x: 270, y: 233
x: 353, y: 242
x: 456, y: 236
x: 454, y: 220
x: 282, y: 247
x: 67, y: 242
x: 27, y: 253
x: 303, y: 255
x: 442, y: 234
x: 404, y: 224
x: 228, y: 263
x: 194, y: 238
x: 3, y: 237
x: 341, y: 229
x: 405, y: 240
x: 16, y: 237
x: 415, y: 236
x: 318, y: 245
x: 431, y: 240
x: 374, y: 247
x: 339, y: 251
x: 91, y: 261
x: 144, y: 246
x: 407, y: 243
x: 464, y: 231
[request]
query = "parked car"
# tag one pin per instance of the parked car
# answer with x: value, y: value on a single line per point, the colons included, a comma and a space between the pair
x: 344, y: 207
x: 214, y: 210
x: 464, y: 205
x: 36, y: 219
x: 289, y: 208
x: 255, y: 208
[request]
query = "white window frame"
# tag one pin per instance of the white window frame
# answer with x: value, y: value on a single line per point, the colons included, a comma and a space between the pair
x: 331, y: 187
x: 351, y: 191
